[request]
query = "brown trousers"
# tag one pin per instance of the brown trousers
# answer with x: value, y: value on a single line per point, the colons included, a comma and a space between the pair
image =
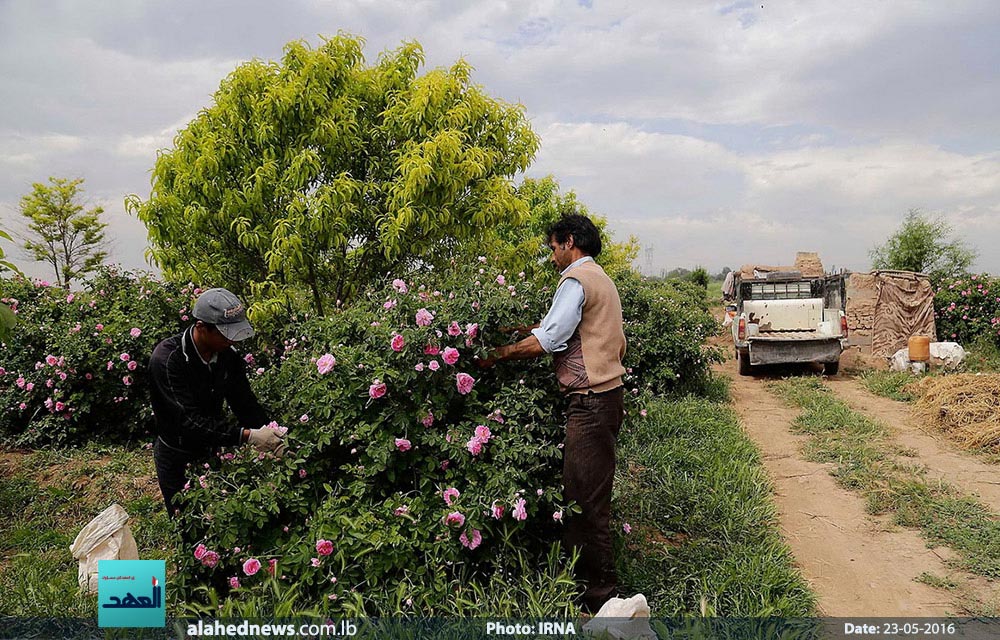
x: 593, y: 423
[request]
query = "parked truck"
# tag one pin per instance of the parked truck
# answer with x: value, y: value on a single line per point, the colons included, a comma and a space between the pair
x: 783, y: 317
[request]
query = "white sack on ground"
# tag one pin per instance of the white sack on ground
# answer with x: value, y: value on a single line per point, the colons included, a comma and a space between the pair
x: 947, y: 354
x: 622, y: 618
x: 900, y: 361
x: 106, y: 537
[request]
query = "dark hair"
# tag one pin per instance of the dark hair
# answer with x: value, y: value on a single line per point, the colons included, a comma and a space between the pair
x: 585, y: 234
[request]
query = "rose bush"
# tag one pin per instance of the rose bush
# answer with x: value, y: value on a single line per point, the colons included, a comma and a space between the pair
x: 75, y: 365
x: 400, y: 476
x: 968, y: 307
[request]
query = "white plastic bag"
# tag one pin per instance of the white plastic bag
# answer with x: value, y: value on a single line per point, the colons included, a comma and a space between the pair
x: 106, y: 537
x: 622, y: 618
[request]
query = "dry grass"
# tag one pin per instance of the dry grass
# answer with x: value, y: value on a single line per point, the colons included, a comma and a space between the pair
x: 966, y: 407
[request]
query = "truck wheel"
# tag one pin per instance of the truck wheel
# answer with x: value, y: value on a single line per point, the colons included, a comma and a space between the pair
x: 744, y: 361
x: 831, y: 368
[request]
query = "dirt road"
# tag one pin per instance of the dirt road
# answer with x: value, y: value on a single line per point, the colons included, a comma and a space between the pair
x: 858, y: 564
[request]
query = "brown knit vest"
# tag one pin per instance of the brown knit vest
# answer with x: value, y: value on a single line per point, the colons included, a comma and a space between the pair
x: 599, y: 340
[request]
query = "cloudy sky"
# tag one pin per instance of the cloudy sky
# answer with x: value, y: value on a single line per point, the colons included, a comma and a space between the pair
x: 718, y: 133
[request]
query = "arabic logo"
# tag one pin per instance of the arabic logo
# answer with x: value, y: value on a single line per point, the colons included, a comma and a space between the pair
x: 142, y: 602
x: 130, y: 593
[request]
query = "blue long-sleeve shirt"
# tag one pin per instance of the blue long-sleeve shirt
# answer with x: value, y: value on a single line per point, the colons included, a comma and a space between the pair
x: 564, y: 315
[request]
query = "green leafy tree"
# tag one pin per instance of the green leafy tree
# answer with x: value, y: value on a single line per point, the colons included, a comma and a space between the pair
x: 521, y: 245
x: 923, y: 244
x: 64, y: 235
x: 308, y: 178
x: 7, y: 317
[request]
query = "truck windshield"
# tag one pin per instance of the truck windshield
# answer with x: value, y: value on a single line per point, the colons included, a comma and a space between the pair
x: 778, y: 290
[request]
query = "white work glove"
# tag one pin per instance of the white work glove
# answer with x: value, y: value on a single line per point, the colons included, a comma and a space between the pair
x: 267, y: 440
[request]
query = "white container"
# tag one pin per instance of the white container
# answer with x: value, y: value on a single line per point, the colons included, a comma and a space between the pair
x: 825, y: 328
x: 753, y: 329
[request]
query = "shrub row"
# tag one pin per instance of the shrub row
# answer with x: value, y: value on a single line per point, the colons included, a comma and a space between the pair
x: 968, y: 307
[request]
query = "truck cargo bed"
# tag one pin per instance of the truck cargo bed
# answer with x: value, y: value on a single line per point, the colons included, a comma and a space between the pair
x: 799, y: 334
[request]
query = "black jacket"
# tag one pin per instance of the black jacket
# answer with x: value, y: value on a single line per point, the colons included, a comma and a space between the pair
x: 187, y: 396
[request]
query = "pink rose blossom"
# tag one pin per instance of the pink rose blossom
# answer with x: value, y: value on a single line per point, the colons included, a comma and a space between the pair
x: 200, y: 551
x: 642, y: 412
x: 424, y: 318
x: 431, y: 350
x: 399, y: 285
x: 495, y: 417
x: 397, y: 342
x: 304, y: 418
x: 110, y: 365
x: 210, y: 559
x: 483, y: 433
x: 627, y: 528
x: 433, y: 365
x: 475, y: 541
x: 454, y: 518
x: 132, y: 365
x: 388, y: 304
x: 454, y: 329
x: 428, y: 420
x: 557, y: 516
x: 251, y: 566
x: 501, y: 280
x: 60, y: 406
x: 472, y: 329
x: 124, y: 357
x: 234, y: 583
x: 324, y: 547
x: 496, y: 510
x: 403, y: 444
x: 519, y: 512
x: 99, y: 326
x: 475, y: 446
x: 29, y: 386
x: 450, y: 355
x: 51, y: 360
x: 314, y: 562
x: 377, y: 389
x: 127, y: 380
x: 20, y: 382
x: 464, y: 383
x: 325, y: 363
x: 401, y: 511
x: 420, y: 366
x: 450, y: 495
x: 135, y: 332
x: 302, y: 473
x: 277, y: 427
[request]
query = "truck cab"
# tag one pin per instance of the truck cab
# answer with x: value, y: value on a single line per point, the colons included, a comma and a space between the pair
x: 783, y: 317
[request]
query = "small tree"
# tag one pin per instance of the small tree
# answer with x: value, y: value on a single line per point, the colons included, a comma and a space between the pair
x: 308, y: 178
x: 923, y: 244
x: 65, y: 236
x: 7, y: 317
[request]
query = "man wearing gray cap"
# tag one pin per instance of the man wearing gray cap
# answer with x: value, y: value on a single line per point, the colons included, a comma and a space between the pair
x: 192, y: 374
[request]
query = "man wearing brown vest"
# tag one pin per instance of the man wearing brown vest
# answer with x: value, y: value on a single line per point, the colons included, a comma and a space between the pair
x: 583, y: 331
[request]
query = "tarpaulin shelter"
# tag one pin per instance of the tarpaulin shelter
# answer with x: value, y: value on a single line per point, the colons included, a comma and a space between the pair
x: 885, y: 308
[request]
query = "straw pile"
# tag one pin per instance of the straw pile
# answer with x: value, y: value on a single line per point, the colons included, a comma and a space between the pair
x: 966, y: 407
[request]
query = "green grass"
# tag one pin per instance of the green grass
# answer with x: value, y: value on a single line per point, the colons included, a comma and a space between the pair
x: 868, y: 461
x: 704, y: 534
x: 48, y: 496
x: 983, y: 356
x: 888, y: 384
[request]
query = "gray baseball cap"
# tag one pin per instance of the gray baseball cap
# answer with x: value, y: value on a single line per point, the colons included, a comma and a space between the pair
x: 223, y: 309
